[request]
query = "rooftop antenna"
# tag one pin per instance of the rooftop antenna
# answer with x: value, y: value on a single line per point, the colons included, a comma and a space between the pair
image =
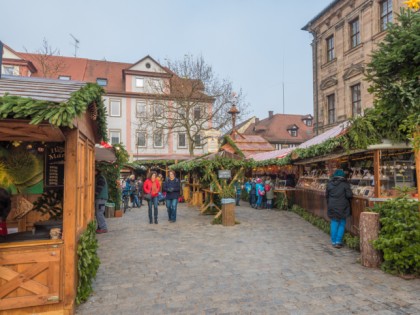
x: 283, y: 84
x: 76, y: 44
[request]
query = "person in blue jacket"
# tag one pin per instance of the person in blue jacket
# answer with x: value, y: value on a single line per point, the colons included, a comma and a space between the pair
x: 172, y: 187
x: 259, y: 187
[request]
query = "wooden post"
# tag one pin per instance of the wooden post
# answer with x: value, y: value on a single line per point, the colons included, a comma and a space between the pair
x: 369, y: 231
x: 376, y: 173
x: 417, y: 153
x: 69, y: 220
x: 228, y: 214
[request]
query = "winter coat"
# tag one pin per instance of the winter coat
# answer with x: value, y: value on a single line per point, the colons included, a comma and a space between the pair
x: 338, y: 194
x: 253, y: 189
x: 172, y: 188
x: 147, y: 187
x: 259, y: 187
x: 101, y: 187
x: 248, y: 187
x: 269, y: 194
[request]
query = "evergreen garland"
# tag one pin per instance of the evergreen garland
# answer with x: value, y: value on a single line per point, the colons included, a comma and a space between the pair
x: 57, y: 114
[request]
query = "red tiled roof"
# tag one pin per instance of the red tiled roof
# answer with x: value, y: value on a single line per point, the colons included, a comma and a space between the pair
x: 274, y: 129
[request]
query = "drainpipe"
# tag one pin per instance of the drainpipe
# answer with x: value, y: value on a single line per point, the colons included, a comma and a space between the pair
x: 315, y: 74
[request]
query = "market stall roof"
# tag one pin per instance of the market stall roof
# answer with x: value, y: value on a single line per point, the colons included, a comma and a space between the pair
x: 246, y: 144
x: 39, y: 89
x: 331, y: 133
x: 277, y: 154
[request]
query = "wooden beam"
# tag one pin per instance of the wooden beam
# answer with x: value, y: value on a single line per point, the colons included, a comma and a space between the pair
x: 21, y: 130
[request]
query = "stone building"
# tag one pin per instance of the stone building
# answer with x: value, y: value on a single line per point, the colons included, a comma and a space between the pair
x: 344, y: 35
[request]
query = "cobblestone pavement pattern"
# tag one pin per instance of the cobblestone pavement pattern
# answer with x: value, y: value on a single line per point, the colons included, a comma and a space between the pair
x: 272, y: 263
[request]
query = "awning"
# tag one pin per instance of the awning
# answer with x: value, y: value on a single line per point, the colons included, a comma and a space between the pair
x: 103, y: 154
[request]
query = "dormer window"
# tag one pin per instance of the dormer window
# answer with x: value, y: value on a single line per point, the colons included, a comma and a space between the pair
x: 308, y: 122
x: 102, y: 81
x: 293, y: 130
x: 139, y: 82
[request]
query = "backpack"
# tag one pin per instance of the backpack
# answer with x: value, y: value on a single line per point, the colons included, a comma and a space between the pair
x: 267, y: 187
x: 261, y: 192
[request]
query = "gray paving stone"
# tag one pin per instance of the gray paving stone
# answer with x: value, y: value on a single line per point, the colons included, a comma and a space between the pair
x: 271, y: 263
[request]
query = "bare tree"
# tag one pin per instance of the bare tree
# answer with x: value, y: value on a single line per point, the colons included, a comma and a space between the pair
x: 193, y: 101
x: 48, y: 61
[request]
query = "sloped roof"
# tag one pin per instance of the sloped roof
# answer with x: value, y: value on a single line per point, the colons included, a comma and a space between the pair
x: 39, y: 88
x: 274, y: 128
x: 277, y: 154
x: 332, y: 133
x: 248, y: 145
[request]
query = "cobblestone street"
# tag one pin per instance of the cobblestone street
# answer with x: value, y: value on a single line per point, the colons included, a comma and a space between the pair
x: 272, y: 263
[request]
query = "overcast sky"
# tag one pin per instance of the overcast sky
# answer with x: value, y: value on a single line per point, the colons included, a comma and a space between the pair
x: 253, y: 43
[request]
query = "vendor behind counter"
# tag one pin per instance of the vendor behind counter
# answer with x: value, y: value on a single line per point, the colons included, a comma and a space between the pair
x: 5, y: 207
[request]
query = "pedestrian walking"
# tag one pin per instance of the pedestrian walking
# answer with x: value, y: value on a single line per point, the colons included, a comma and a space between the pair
x: 131, y: 186
x: 101, y: 197
x: 253, y: 194
x: 172, y: 187
x: 151, y: 189
x: 338, y: 194
x: 139, y: 185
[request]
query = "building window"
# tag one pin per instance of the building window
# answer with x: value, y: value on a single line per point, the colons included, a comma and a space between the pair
x: 158, y: 140
x: 182, y: 140
x: 356, y: 100
x: 64, y: 77
x: 355, y: 33
x: 115, y: 136
x: 102, y: 81
x: 141, y: 139
x: 197, y: 113
x: 386, y: 13
x: 331, y: 108
x: 9, y: 70
x: 309, y: 122
x: 330, y: 48
x: 197, y: 141
x: 139, y: 82
x: 141, y: 109
x: 115, y: 108
x: 158, y: 110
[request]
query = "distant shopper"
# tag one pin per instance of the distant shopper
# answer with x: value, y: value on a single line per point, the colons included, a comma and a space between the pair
x: 269, y: 193
x: 101, y: 197
x: 260, y: 193
x: 253, y: 194
x: 339, y: 196
x: 151, y: 189
x: 139, y: 185
x: 238, y: 191
x: 172, y: 187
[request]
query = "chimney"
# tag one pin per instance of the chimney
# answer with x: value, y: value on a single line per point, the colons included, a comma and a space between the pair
x: 270, y: 114
x: 257, y: 120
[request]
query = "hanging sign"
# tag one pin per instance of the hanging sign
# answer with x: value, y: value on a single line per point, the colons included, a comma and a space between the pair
x: 225, y: 174
x: 54, y: 165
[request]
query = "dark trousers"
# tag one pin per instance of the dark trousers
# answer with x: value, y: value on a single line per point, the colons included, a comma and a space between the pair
x: 153, y: 203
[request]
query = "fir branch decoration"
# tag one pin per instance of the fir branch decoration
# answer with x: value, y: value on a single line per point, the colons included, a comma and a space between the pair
x: 57, y: 114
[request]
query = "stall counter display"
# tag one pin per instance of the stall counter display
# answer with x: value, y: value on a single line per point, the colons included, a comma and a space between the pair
x: 397, y: 170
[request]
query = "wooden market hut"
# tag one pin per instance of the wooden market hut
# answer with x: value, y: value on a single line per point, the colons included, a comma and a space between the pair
x: 40, y: 276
